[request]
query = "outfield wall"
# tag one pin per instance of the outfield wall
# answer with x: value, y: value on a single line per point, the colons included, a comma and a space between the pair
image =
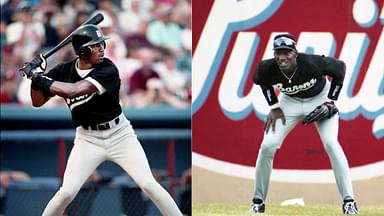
x: 228, y: 111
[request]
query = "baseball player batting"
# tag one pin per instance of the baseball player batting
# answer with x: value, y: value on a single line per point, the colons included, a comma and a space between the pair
x: 90, y: 85
x: 301, y: 79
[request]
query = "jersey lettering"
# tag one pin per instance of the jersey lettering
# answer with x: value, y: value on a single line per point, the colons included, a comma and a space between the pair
x: 296, y: 88
x: 77, y: 101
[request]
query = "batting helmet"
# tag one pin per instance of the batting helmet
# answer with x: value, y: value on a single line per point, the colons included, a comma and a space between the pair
x: 85, y: 36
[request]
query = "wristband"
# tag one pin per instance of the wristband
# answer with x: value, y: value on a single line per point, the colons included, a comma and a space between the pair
x: 41, y: 82
x: 270, y: 96
x: 334, y: 91
x: 274, y: 106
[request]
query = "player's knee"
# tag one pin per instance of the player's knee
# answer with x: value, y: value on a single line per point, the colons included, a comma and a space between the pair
x: 331, y: 146
x: 149, y: 187
x: 266, y: 149
x: 64, y: 197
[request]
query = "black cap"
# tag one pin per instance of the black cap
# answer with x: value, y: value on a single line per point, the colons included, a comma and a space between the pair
x: 284, y: 41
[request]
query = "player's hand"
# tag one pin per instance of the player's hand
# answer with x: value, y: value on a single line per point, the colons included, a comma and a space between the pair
x: 272, y: 117
x: 37, y: 65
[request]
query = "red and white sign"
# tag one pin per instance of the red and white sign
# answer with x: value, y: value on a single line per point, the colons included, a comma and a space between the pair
x: 231, y: 37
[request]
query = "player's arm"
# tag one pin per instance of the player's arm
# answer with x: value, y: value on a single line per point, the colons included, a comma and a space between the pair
x: 71, y: 90
x: 260, y: 78
x: 335, y: 69
x: 62, y: 89
x: 272, y: 100
x: 39, y: 98
x: 276, y: 112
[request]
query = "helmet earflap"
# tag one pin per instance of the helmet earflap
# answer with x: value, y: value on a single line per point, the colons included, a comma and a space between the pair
x: 85, y: 52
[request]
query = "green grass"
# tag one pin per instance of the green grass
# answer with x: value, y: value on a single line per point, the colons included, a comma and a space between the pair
x: 272, y: 210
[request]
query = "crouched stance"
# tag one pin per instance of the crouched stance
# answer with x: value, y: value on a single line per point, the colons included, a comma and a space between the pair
x: 301, y: 79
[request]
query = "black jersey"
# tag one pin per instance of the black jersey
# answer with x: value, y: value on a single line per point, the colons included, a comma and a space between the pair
x: 91, y: 109
x: 309, y: 79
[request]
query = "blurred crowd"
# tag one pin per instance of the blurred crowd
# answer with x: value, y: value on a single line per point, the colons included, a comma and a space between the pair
x: 150, y: 42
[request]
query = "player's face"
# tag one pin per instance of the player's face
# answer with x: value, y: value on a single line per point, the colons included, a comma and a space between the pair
x: 286, y: 59
x: 97, y: 53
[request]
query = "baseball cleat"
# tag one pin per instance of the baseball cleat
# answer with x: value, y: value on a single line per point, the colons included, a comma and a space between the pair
x: 257, y: 206
x: 350, y: 207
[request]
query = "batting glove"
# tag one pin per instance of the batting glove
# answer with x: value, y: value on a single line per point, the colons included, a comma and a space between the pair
x: 37, y: 65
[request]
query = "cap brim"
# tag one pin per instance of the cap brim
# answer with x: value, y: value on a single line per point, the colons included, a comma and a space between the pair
x: 284, y: 47
x: 96, y: 41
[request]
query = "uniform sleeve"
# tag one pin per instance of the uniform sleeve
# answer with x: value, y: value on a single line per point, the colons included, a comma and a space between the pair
x: 106, y: 77
x: 335, y: 69
x: 56, y: 72
x: 259, y: 78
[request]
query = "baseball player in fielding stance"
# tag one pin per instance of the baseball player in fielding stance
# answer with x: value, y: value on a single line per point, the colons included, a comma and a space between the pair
x: 301, y: 79
x: 90, y: 85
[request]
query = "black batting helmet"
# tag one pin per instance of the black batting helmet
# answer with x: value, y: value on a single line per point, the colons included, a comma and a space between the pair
x: 85, y: 36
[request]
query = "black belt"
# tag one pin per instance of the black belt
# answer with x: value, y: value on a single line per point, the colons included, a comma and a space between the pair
x: 104, y: 126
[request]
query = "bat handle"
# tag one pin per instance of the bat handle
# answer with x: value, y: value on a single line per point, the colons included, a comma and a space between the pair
x: 26, y: 69
x: 29, y: 66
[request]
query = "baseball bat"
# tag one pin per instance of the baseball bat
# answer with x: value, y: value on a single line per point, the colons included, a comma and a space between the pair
x: 95, y: 19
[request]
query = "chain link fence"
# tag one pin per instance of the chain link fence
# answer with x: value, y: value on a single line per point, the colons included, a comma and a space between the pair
x: 111, y: 200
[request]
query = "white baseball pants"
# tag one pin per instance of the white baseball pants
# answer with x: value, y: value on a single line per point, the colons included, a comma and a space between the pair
x: 294, y: 110
x: 120, y: 145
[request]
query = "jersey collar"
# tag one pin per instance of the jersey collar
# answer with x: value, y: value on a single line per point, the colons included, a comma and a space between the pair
x: 82, y: 73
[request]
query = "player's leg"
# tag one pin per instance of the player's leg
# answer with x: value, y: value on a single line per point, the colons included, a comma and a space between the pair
x: 82, y: 161
x: 128, y: 153
x: 328, y: 130
x: 271, y: 142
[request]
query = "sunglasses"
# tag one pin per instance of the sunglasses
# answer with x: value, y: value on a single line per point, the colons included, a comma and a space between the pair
x: 284, y: 41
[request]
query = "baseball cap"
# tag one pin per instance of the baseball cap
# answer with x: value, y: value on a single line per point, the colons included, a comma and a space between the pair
x: 24, y: 6
x: 284, y: 41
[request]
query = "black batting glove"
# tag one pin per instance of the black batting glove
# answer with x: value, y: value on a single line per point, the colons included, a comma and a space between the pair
x: 40, y: 82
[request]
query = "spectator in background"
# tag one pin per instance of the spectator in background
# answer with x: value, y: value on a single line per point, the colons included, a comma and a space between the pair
x: 139, y: 92
x: 131, y: 14
x: 163, y: 31
x: 26, y: 35
x: 137, y: 40
x: 51, y: 36
x: 46, y: 6
x: 175, y: 82
x: 116, y: 48
x: 8, y: 61
x: 8, y: 11
x: 72, y: 8
x: 109, y: 6
x: 146, y: 86
x: 9, y: 83
x: 182, y: 15
x: 142, y: 8
x: 80, y: 18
